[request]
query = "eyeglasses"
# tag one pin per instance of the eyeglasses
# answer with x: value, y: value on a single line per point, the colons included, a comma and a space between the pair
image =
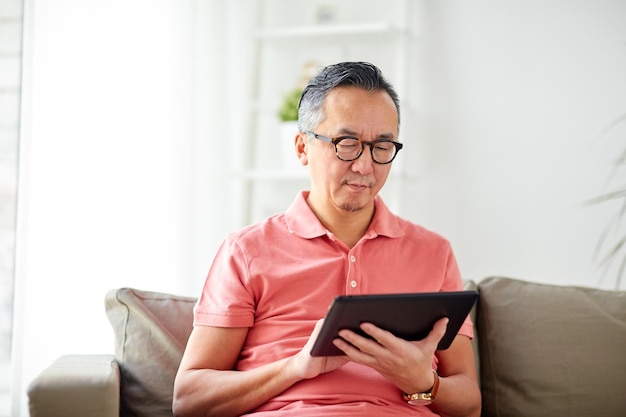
x: 349, y: 148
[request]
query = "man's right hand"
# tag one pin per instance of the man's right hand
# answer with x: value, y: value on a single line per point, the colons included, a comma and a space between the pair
x: 311, y: 366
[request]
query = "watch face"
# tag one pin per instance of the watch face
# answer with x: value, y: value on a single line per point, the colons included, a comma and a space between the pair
x: 422, y: 398
x: 420, y: 402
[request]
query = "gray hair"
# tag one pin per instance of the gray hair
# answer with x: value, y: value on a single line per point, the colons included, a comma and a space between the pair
x: 353, y: 74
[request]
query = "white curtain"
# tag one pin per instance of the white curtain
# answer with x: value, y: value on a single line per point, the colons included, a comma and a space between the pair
x: 125, y: 123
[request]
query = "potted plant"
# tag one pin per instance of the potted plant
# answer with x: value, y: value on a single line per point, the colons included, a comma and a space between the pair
x: 611, y: 245
x: 288, y: 111
x: 288, y: 115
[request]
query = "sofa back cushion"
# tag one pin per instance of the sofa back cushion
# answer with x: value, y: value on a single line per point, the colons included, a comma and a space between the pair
x: 551, y: 351
x: 151, y: 330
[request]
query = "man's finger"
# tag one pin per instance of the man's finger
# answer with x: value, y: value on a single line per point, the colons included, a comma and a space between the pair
x: 438, y: 331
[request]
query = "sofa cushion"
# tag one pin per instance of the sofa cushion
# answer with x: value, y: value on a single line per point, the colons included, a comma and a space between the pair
x: 151, y: 330
x: 551, y: 351
x: 76, y: 385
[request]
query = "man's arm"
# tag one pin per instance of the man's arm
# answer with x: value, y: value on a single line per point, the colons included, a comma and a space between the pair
x: 207, y: 385
x: 408, y: 365
x: 458, y: 393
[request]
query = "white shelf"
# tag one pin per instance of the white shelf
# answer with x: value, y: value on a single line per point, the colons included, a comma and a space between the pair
x: 290, y: 175
x: 374, y: 28
x: 273, y: 175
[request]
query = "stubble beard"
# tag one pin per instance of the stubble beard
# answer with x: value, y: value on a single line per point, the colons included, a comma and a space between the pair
x: 351, y: 207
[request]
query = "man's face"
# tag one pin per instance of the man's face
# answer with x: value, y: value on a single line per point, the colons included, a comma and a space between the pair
x: 350, y: 186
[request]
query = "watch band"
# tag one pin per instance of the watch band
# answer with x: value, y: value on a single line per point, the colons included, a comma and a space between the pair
x: 424, y: 398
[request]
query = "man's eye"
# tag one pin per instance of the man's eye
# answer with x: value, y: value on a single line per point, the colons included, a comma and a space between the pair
x: 348, y: 143
x: 384, y: 146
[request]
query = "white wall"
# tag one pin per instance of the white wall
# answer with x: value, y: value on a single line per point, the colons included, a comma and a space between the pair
x: 516, y: 95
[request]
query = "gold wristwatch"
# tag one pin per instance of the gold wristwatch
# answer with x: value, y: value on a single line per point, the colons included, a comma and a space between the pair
x: 424, y: 398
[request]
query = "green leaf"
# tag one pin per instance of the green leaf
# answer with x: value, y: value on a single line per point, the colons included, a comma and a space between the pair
x: 289, y: 109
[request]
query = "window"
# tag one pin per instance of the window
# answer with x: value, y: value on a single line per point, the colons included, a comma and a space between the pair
x: 10, y: 72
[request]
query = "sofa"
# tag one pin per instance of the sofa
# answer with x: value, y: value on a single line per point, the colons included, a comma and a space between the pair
x: 542, y: 350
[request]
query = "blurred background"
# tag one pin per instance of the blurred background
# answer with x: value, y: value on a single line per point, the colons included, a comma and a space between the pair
x: 135, y: 134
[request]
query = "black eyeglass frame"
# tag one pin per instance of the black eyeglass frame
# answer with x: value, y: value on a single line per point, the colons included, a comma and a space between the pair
x: 335, y: 142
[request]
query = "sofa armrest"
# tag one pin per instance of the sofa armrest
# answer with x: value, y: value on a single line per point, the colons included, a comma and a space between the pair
x: 77, y: 385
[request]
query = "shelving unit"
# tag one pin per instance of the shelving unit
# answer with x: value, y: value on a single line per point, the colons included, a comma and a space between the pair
x: 350, y: 30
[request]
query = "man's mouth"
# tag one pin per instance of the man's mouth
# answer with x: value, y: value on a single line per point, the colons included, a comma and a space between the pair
x: 357, y: 186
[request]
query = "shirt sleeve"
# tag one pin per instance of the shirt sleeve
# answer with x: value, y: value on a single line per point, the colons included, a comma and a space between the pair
x: 226, y: 300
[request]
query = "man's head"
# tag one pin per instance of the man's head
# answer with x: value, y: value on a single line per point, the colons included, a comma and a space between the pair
x: 356, y: 74
x: 348, y: 136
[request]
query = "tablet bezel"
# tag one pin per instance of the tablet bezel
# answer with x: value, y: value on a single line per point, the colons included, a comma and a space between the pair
x: 410, y: 316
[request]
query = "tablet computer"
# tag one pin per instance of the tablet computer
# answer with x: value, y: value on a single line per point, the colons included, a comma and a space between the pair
x: 410, y: 316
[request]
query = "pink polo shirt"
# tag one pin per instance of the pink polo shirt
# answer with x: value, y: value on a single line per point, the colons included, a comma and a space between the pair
x: 278, y: 278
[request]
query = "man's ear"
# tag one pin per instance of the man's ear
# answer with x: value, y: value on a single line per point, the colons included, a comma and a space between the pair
x: 301, y: 148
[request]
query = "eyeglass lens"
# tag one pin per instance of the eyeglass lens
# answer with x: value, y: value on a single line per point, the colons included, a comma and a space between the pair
x: 349, y: 149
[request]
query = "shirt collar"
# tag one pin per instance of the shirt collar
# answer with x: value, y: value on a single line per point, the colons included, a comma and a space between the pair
x: 302, y: 221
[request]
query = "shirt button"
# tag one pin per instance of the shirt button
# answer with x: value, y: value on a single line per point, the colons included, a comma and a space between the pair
x: 353, y: 284
x: 353, y: 258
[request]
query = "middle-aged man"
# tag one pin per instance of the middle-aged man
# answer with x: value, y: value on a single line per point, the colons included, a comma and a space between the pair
x: 271, y: 283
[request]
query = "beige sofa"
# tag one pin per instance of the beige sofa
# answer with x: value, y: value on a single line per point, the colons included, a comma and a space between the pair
x: 542, y: 350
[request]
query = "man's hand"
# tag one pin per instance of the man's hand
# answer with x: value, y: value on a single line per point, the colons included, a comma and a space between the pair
x: 408, y: 365
x: 309, y: 366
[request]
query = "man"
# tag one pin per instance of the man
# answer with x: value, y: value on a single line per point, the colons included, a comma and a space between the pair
x: 271, y: 283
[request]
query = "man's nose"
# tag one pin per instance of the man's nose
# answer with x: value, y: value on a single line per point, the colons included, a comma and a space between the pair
x: 364, y: 164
